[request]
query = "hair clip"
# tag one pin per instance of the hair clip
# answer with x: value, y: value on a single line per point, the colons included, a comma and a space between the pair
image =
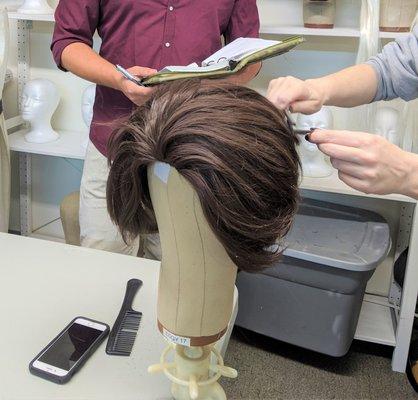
x: 292, y: 124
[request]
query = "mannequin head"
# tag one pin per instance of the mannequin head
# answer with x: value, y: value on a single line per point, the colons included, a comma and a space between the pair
x: 313, y: 161
x: 87, y: 103
x: 387, y: 124
x: 40, y: 99
x: 35, y: 7
x: 233, y: 147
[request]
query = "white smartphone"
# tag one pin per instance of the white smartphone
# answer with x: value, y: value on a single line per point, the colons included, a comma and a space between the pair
x: 69, y: 350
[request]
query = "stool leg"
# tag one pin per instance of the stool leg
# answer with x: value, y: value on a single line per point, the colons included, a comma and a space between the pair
x: 70, y: 219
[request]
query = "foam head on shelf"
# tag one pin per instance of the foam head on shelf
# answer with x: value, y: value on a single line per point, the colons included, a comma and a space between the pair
x: 35, y: 7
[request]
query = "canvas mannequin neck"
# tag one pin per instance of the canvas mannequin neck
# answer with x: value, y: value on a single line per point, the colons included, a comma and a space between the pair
x: 197, y: 277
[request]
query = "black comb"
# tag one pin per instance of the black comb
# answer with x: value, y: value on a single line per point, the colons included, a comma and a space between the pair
x: 122, y: 336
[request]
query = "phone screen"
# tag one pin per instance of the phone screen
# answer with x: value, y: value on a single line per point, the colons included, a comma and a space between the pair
x: 70, y: 346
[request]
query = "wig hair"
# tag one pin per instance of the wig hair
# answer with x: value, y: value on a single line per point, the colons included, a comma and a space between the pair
x: 231, y: 144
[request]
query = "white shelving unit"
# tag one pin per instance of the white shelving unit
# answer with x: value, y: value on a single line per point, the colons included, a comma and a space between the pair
x: 31, y: 17
x: 332, y: 184
x: 300, y: 30
x: 68, y: 145
x: 44, y: 232
x: 384, y: 320
x: 376, y: 323
x: 265, y: 29
x: 335, y: 32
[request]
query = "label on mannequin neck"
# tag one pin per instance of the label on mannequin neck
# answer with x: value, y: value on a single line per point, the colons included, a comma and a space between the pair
x: 171, y: 337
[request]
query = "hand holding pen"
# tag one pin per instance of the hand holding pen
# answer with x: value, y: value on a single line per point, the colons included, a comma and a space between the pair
x: 130, y: 83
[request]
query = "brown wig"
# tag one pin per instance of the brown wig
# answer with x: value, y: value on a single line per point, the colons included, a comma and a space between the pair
x: 235, y: 149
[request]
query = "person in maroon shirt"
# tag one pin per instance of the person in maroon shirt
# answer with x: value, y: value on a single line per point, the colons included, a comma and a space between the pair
x: 142, y: 36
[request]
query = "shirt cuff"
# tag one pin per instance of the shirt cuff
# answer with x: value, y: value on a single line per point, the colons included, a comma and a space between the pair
x: 374, y: 63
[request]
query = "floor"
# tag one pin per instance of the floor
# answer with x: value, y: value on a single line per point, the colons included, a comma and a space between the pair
x: 269, y: 370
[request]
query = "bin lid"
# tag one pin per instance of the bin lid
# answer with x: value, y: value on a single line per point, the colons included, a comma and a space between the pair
x: 338, y: 236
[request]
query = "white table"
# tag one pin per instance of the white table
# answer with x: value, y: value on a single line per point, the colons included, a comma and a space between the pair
x: 43, y: 286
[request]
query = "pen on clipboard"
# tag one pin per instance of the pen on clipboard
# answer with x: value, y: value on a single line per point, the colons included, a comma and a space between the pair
x: 129, y: 76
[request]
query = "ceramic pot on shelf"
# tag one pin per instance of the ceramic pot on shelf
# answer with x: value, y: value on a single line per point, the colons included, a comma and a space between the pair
x: 319, y: 13
x: 397, y: 15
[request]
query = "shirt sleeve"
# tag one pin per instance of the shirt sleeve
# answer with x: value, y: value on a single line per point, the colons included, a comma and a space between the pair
x: 75, y: 21
x: 244, y: 21
x: 397, y: 69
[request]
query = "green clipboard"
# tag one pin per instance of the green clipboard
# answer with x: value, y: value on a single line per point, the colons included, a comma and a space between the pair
x: 234, y: 67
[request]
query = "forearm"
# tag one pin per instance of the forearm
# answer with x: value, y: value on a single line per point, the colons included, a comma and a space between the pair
x: 84, y: 62
x: 350, y: 87
x: 246, y: 75
x: 410, y: 186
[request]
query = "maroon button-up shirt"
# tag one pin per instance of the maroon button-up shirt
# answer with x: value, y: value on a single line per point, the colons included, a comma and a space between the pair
x: 148, y: 33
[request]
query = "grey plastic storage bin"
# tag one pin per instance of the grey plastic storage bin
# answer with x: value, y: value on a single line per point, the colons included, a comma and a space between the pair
x: 313, y: 297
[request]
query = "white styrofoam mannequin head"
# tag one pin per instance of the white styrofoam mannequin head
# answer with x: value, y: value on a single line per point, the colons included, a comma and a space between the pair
x: 35, y: 7
x: 386, y: 124
x: 40, y: 99
x: 87, y: 103
x: 313, y: 161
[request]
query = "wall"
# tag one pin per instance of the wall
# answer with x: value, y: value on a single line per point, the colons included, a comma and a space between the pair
x: 54, y: 178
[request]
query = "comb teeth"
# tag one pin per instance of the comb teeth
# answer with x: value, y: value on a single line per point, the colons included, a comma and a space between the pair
x: 123, y: 334
x: 126, y: 333
x: 131, y: 321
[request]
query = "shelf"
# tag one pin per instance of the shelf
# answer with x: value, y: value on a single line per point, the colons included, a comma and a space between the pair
x: 300, y: 30
x: 68, y: 145
x: 392, y: 35
x: 376, y: 322
x: 52, y: 232
x: 335, y: 32
x: 332, y: 184
x: 32, y: 17
x: 265, y: 29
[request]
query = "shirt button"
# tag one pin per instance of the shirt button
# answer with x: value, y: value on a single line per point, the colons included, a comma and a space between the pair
x: 171, y: 8
x: 167, y: 44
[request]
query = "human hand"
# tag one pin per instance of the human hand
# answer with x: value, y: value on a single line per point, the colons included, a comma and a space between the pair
x: 306, y: 97
x: 366, y: 162
x: 137, y: 94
